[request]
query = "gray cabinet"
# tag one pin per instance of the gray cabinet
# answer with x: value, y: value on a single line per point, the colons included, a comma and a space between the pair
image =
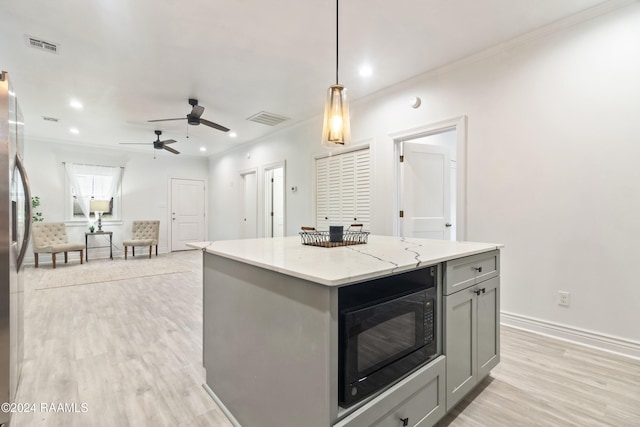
x: 472, y: 327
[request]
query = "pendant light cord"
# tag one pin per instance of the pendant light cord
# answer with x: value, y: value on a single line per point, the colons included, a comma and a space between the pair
x: 337, y: 13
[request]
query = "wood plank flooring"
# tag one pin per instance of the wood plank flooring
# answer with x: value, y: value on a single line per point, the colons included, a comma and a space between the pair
x: 131, y: 350
x: 542, y: 381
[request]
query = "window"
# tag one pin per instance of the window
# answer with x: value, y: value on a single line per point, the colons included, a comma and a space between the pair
x: 87, y: 182
x: 343, y: 190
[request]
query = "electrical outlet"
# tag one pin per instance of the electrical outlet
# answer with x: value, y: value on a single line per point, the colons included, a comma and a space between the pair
x: 563, y: 298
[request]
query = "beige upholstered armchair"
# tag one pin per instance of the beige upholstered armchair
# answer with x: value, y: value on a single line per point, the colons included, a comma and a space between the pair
x: 143, y: 233
x: 51, y: 238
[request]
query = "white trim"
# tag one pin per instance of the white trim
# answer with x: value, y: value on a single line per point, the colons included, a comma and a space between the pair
x: 360, y: 145
x: 265, y: 217
x: 459, y: 124
x: 609, y: 343
x: 242, y: 174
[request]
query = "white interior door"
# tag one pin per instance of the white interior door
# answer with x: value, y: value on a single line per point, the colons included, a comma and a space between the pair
x: 249, y: 205
x: 187, y: 213
x: 426, y: 192
x: 274, y: 202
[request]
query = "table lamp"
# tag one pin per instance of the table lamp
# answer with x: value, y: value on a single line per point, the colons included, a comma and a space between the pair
x: 99, y: 206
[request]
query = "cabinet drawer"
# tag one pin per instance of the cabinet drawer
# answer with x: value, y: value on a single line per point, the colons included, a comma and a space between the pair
x: 463, y: 272
x: 419, y: 397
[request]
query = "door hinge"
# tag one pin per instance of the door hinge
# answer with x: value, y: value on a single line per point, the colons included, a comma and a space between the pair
x: 401, y: 214
x: 401, y: 159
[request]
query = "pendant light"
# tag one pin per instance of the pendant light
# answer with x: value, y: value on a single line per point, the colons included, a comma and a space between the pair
x: 336, y: 130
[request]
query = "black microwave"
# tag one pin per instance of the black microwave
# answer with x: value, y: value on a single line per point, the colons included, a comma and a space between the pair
x: 387, y: 328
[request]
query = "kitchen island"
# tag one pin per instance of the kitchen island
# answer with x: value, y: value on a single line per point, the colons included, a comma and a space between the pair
x: 270, y: 344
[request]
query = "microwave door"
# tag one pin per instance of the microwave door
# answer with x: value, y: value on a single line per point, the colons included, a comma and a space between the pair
x: 383, y: 333
x: 21, y: 207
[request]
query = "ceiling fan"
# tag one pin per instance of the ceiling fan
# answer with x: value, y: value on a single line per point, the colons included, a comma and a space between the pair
x: 193, y: 118
x: 157, y: 144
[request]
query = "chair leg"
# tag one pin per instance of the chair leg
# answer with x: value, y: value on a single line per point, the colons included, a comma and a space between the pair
x: 150, y: 247
x: 133, y: 250
x: 35, y: 256
x: 81, y: 255
x: 66, y: 257
x: 53, y: 259
x: 126, y: 248
x: 156, y: 250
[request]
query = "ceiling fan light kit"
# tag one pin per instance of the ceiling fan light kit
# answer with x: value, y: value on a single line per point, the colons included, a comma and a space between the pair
x: 336, y: 129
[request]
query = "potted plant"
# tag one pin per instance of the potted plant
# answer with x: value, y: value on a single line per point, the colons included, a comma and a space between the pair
x: 37, y: 216
x: 91, y: 229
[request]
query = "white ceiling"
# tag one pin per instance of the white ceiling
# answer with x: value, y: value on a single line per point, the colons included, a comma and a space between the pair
x: 129, y: 61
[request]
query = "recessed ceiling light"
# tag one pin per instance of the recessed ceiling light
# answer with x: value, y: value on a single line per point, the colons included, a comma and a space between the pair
x: 232, y: 134
x: 203, y: 149
x: 366, y: 71
x: 74, y: 131
x: 76, y: 104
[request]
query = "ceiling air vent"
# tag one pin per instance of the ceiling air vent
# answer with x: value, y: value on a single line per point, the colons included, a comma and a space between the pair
x: 266, y: 118
x: 38, y: 43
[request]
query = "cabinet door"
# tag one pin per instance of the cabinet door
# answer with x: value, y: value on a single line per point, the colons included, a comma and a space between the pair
x: 460, y: 344
x: 488, y: 306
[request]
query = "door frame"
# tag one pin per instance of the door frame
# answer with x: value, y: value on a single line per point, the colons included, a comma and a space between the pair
x: 170, y: 207
x: 459, y: 124
x: 242, y: 173
x: 265, y: 193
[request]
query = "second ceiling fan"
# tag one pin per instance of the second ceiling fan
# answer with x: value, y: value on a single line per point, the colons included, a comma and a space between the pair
x: 194, y: 117
x: 157, y: 144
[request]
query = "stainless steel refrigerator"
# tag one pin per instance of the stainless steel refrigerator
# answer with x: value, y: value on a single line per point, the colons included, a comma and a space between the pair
x: 15, y: 228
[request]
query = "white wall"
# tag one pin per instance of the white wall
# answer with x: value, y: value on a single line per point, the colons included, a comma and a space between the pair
x: 145, y: 185
x: 553, y: 149
x: 292, y: 146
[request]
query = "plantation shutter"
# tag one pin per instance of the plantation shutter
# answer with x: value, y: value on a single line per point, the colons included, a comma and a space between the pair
x: 343, y: 187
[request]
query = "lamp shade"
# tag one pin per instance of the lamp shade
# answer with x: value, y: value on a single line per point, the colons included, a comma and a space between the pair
x: 336, y: 130
x: 99, y: 205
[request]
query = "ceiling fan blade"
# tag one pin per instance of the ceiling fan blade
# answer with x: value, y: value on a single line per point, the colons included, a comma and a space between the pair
x: 166, y: 120
x: 214, y: 125
x: 171, y: 150
x: 168, y: 141
x: 197, y: 111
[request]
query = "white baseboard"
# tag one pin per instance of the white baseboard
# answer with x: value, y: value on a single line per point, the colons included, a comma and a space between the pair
x: 591, y: 339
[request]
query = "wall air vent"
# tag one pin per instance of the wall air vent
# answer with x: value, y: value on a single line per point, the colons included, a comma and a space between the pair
x: 266, y: 118
x: 50, y: 119
x: 38, y: 43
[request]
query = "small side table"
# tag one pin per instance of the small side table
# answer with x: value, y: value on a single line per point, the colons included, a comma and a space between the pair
x: 97, y: 233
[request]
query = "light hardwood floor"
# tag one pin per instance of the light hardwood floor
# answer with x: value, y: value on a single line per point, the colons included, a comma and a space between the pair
x: 131, y: 350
